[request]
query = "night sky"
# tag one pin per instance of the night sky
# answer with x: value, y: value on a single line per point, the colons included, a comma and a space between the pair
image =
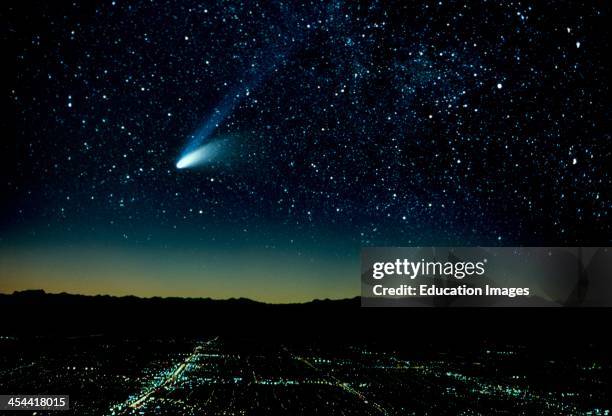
x: 319, y: 127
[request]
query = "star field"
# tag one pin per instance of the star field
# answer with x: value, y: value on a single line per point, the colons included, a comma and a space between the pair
x: 344, y: 124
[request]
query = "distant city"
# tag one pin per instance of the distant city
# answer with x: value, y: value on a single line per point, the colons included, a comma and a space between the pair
x: 222, y: 375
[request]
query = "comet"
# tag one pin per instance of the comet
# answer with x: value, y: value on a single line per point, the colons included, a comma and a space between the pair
x: 199, y: 148
x: 202, y: 155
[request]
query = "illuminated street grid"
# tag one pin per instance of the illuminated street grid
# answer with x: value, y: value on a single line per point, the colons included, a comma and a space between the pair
x: 227, y: 376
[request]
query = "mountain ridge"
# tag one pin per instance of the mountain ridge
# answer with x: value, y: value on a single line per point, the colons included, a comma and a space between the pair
x: 41, y: 293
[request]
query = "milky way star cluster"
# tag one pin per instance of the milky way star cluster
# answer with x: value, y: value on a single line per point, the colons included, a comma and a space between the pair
x: 363, y: 124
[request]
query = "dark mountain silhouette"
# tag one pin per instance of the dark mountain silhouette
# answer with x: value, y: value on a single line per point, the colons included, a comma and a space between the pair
x: 34, y: 312
x: 38, y: 295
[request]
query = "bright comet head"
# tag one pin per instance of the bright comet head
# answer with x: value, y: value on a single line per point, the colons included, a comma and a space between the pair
x: 199, y: 156
x: 191, y: 159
